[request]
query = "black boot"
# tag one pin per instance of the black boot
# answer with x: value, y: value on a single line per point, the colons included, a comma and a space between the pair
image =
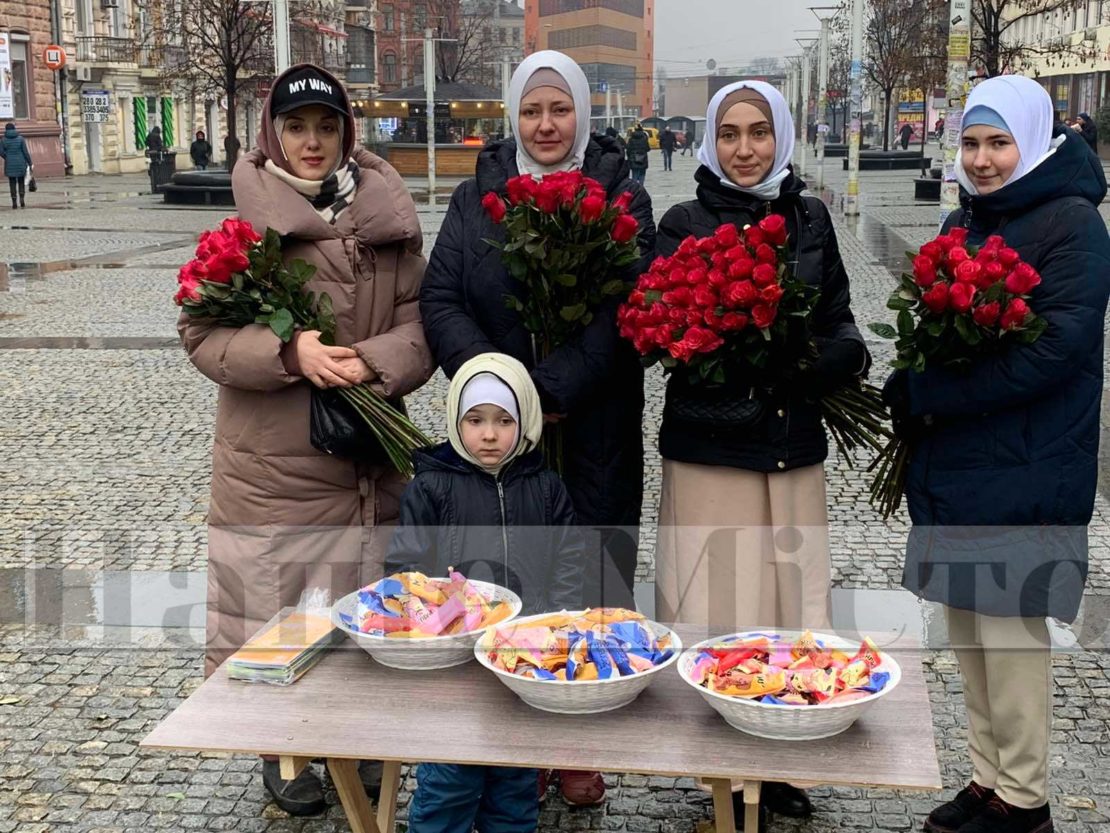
x: 303, y: 796
x: 370, y: 774
x: 968, y: 803
x: 785, y: 800
x: 1000, y: 817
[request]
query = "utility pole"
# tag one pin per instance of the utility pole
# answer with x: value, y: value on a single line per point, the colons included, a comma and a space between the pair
x: 803, y: 120
x: 822, y: 88
x: 282, y: 57
x: 62, y: 93
x: 855, y: 98
x: 506, y: 80
x: 430, y: 100
x: 959, y: 50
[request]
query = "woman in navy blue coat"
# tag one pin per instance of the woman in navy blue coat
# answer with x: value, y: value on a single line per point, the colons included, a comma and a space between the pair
x: 1003, y: 473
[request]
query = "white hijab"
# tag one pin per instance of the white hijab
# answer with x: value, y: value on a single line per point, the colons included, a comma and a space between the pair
x: 580, y: 93
x: 769, y: 188
x: 1027, y: 110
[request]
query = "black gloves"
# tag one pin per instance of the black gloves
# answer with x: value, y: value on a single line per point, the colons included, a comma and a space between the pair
x: 838, y: 363
x: 896, y: 394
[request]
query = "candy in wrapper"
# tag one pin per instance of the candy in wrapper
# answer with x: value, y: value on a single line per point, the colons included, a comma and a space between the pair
x: 389, y: 587
x: 595, y: 650
x: 608, y: 615
x: 418, y: 585
x: 576, y: 657
x: 704, y: 665
x: 587, y: 671
x: 374, y: 603
x: 619, y: 656
x: 806, y: 645
x: 443, y: 616
x: 877, y: 681
x: 868, y: 653
x: 855, y: 675
x: 386, y: 624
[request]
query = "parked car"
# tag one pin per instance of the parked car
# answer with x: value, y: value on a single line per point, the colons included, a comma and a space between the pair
x: 652, y: 134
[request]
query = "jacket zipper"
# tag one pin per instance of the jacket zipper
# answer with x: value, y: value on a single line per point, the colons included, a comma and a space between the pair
x: 504, y: 523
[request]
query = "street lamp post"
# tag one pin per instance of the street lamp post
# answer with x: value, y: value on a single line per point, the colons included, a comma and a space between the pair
x: 959, y: 50
x: 822, y: 87
x: 851, y: 199
x: 803, y: 102
x: 282, y: 57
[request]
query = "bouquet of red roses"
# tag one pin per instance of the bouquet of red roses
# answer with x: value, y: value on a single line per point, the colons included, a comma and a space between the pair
x: 567, y: 246
x: 956, y: 304
x: 239, y: 277
x: 730, y: 300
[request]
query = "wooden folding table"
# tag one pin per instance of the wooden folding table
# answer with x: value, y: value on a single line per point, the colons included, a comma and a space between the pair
x: 349, y: 708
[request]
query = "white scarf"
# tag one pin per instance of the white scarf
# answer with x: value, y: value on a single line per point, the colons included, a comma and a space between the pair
x: 580, y: 93
x: 1027, y: 110
x: 771, y: 185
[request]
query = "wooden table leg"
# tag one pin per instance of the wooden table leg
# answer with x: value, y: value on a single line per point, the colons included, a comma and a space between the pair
x: 722, y: 805
x: 292, y: 766
x: 751, y: 806
x: 344, y: 774
x: 387, y: 800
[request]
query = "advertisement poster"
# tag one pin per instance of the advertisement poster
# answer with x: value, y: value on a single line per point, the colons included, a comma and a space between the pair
x: 7, y: 106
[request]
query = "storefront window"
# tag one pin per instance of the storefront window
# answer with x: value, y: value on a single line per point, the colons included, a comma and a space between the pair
x: 389, y: 68
x: 21, y: 80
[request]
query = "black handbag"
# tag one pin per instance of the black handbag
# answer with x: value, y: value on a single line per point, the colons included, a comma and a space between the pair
x: 32, y: 185
x: 719, y: 408
x: 335, y: 427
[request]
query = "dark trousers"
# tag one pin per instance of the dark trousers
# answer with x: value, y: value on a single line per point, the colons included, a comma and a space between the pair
x: 451, y: 798
x: 14, y: 183
x: 668, y: 156
x: 639, y: 175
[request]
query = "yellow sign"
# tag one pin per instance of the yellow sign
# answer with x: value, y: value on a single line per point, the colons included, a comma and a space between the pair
x: 959, y: 45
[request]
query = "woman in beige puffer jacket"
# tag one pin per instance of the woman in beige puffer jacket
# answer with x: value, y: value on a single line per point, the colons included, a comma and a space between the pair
x: 283, y: 515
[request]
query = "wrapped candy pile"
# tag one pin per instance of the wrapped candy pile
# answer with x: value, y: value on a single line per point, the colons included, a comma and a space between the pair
x: 763, y: 667
x: 599, y: 644
x: 413, y: 606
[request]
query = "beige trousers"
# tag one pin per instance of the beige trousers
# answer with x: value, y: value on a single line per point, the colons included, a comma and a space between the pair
x: 740, y: 549
x: 1006, y: 665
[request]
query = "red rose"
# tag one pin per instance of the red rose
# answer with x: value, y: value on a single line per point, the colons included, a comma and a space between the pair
x: 734, y: 321
x: 727, y: 236
x: 993, y: 272
x: 209, y: 243
x: 993, y: 244
x: 697, y: 276
x: 771, y: 294
x: 764, y: 274
x: 680, y: 296
x: 637, y: 297
x: 959, y: 235
x: 987, y: 314
x: 624, y: 202
x: 1008, y: 257
x: 740, y: 294
x: 644, y: 340
x: 188, y: 282
x: 229, y: 259
x: 705, y: 297
x: 693, y: 316
x: 664, y: 335
x: 754, y: 236
x: 763, y: 315
x: 936, y: 297
x: 707, y: 246
x: 960, y: 295
x: 957, y: 255
x: 1022, y: 280
x: 241, y: 230
x: 521, y: 189
x: 740, y: 269
x: 548, y: 198
x: 591, y: 209
x: 717, y: 278
x: 932, y: 250
x: 1015, y: 314
x: 968, y: 271
x: 494, y: 206
x: 945, y: 242
x: 774, y: 226
x: 702, y: 340
x: 625, y: 228
x: 659, y: 313
x: 766, y: 254
x: 712, y: 320
x: 924, y: 271
x: 687, y: 247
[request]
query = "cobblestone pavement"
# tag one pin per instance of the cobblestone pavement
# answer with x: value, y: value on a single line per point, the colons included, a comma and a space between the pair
x: 105, y: 468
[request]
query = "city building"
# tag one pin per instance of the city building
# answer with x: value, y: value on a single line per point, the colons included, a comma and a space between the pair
x: 26, y: 85
x: 612, y: 40
x: 690, y: 95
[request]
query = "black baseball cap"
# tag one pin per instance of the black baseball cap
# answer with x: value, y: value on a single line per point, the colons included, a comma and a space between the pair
x: 304, y: 86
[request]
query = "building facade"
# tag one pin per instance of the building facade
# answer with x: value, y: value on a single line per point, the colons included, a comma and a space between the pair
x: 612, y: 40
x: 27, y: 87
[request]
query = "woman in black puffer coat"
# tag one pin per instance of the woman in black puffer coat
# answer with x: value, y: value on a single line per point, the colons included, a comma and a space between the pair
x: 594, y: 383
x: 1004, y: 464
x: 743, y: 537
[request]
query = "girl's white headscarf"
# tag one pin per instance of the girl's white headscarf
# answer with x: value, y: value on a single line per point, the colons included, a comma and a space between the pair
x: 580, y: 93
x: 1027, y: 110
x: 769, y: 188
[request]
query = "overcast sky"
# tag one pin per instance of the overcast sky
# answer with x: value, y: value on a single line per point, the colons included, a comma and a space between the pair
x: 688, y: 32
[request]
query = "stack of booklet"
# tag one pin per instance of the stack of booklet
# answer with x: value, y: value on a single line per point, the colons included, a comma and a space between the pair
x: 284, y: 649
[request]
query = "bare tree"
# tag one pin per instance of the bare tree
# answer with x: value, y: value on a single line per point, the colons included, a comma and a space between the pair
x: 999, y: 44
x: 929, y: 68
x: 470, y: 38
x: 890, y: 40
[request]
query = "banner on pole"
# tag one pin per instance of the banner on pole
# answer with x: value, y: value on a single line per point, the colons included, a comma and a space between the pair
x: 7, y: 103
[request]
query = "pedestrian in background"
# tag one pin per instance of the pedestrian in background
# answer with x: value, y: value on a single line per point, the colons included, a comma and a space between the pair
x: 593, y: 384
x: 690, y: 139
x: 200, y: 151
x: 666, y: 144
x: 638, y: 148
x: 747, y: 457
x: 1089, y: 131
x: 612, y: 133
x: 283, y: 515
x: 1005, y: 464
x: 905, y: 133
x: 17, y: 163
x: 154, y: 141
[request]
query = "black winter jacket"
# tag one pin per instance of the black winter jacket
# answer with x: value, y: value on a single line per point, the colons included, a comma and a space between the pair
x: 638, y: 149
x: 596, y: 379
x: 699, y: 423
x: 1001, y: 491
x: 516, y: 530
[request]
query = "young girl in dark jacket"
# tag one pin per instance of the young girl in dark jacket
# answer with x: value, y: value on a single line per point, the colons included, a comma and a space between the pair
x: 1004, y: 464
x: 742, y: 461
x: 485, y: 504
